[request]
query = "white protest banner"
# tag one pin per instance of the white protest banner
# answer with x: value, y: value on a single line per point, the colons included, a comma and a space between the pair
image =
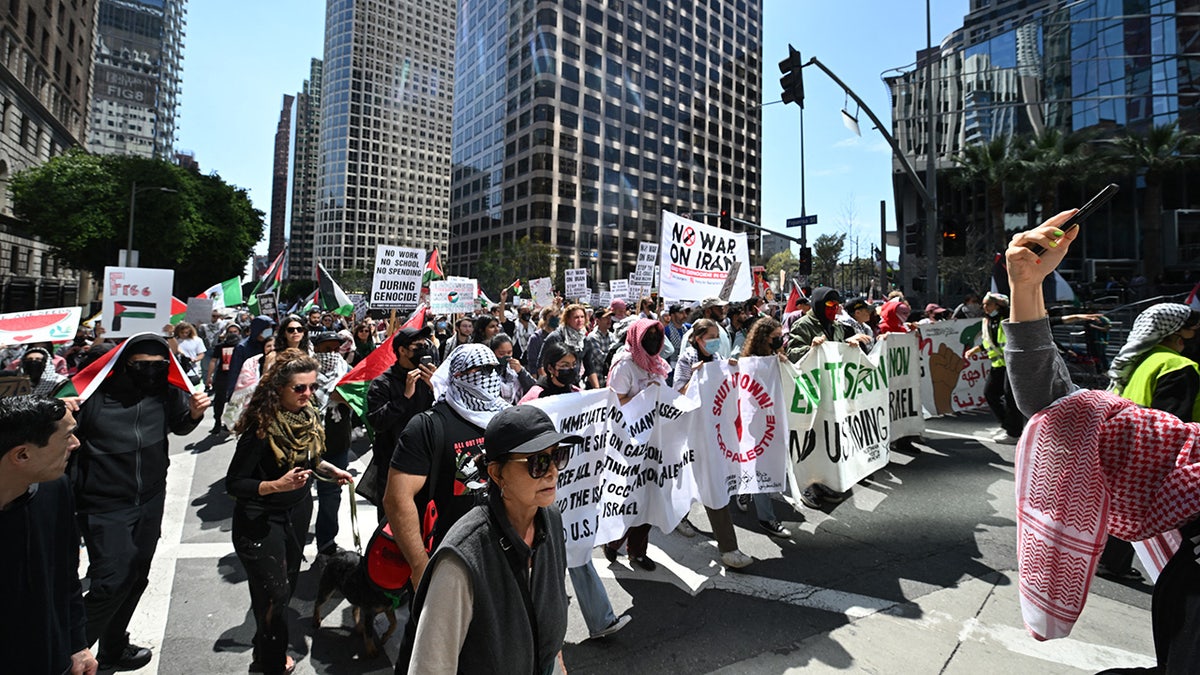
x: 741, y: 434
x: 838, y: 417
x: 138, y: 300
x: 452, y: 297
x: 605, y: 299
x: 951, y: 382
x: 643, y: 274
x: 695, y: 259
x: 542, y: 291
x: 39, y: 325
x: 619, y: 288
x: 360, y: 305
x: 575, y: 283
x: 199, y: 310
x: 899, y: 351
x: 579, y: 485
x: 396, y: 283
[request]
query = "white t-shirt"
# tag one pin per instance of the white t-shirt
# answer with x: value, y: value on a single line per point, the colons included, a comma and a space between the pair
x: 628, y: 378
x: 193, y: 348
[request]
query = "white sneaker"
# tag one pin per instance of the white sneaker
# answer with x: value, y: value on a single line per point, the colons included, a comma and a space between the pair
x: 685, y: 528
x: 1005, y: 439
x: 613, y: 627
x: 735, y: 559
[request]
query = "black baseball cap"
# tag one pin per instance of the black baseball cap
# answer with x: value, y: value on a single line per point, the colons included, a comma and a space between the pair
x: 327, y: 336
x: 406, y: 336
x: 522, y: 430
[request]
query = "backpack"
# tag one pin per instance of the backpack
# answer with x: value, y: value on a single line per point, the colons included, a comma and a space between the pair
x: 387, y: 569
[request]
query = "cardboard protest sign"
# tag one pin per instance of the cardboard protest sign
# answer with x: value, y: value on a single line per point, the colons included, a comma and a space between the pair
x: 396, y: 283
x: 15, y: 385
x: 695, y: 259
x: 727, y: 287
x: 542, y: 290
x: 138, y: 299
x: 619, y: 288
x: 267, y: 305
x: 452, y: 297
x: 740, y: 439
x: 604, y: 299
x: 643, y: 274
x: 951, y: 382
x: 575, y: 283
x: 199, y: 310
x: 39, y: 325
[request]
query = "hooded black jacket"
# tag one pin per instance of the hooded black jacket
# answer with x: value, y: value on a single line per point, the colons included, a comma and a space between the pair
x: 122, y: 458
x: 249, y: 347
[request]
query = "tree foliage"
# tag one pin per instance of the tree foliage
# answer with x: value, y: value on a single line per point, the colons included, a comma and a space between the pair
x: 785, y: 261
x: 79, y: 204
x: 827, y: 250
x: 523, y: 259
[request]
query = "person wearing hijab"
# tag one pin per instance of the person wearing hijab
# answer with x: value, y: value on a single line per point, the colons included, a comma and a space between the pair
x: 44, y: 380
x: 433, y: 467
x: 893, y: 316
x: 819, y: 325
x: 636, y: 367
x: 997, y: 390
x: 1090, y: 464
x: 515, y: 379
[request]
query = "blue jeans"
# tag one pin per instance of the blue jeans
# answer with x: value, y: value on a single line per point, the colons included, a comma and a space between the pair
x: 329, y: 495
x: 762, y: 504
x: 592, y: 598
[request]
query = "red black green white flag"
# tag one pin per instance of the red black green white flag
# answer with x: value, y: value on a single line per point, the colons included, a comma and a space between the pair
x: 330, y: 296
x: 433, y: 270
x: 270, y: 281
x: 87, y: 381
x: 354, y: 385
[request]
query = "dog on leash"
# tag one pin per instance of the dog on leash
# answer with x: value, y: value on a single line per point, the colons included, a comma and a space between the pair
x: 346, y: 573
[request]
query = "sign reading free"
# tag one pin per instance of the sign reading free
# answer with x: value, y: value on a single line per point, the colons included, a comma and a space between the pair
x: 136, y: 299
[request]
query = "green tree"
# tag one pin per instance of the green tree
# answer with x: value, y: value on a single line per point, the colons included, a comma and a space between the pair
x: 79, y: 204
x: 827, y: 250
x: 1156, y: 154
x: 993, y: 164
x: 1051, y: 158
x: 523, y: 259
x: 785, y: 261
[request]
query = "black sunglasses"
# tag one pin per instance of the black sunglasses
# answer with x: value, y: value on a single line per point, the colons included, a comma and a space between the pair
x: 295, y: 329
x: 539, y: 464
x: 301, y: 388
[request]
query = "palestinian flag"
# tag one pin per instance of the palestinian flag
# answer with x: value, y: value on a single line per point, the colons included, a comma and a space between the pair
x: 794, y: 298
x: 86, y: 381
x: 225, y: 294
x: 330, y: 296
x: 354, y: 385
x: 134, y: 309
x: 433, y: 270
x: 516, y: 287
x: 1193, y: 299
x: 482, y: 299
x: 270, y: 281
x: 302, y: 306
x: 178, y: 310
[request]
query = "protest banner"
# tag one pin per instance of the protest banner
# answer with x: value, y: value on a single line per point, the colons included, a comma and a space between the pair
x: 643, y: 274
x: 39, y: 325
x: 695, y: 259
x: 840, y: 410
x: 740, y: 438
x: 396, y: 283
x: 199, y: 310
x: 605, y: 299
x: 543, y: 291
x: 267, y: 305
x: 951, y: 382
x: 904, y: 383
x: 619, y: 288
x: 15, y: 385
x: 452, y: 297
x: 361, y: 306
x: 727, y: 287
x: 575, y: 283
x: 138, y: 300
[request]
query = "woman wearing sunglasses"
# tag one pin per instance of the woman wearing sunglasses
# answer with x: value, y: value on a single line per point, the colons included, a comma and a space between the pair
x: 492, y: 599
x: 364, y: 340
x: 281, y: 442
x: 292, y: 334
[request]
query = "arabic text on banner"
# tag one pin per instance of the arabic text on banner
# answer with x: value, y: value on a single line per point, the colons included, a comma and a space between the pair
x: 951, y: 382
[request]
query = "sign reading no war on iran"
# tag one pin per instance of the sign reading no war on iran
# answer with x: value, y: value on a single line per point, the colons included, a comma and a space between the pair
x: 694, y: 260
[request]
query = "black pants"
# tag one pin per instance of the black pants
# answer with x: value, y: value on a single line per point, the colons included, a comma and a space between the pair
x: 1117, y: 556
x: 270, y: 545
x: 337, y: 453
x: 999, y: 396
x: 220, y: 397
x: 638, y: 538
x: 1175, y: 613
x: 120, y: 545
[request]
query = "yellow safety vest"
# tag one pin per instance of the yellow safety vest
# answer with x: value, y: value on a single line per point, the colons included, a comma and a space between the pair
x: 995, y: 352
x: 1158, y: 361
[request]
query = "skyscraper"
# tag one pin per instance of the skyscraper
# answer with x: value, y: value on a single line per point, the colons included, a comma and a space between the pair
x: 305, y: 169
x: 279, y: 178
x: 139, y: 59
x: 576, y: 123
x: 386, y: 101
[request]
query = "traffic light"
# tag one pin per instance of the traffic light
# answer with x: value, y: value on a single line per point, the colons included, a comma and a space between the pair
x: 726, y: 218
x: 793, y: 78
x: 954, y: 243
x: 914, y: 237
x: 805, y: 261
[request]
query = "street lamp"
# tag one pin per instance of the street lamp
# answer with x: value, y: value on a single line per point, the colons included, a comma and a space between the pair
x: 133, y: 193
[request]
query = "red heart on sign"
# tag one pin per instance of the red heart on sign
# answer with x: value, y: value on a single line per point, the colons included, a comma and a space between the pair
x: 21, y: 338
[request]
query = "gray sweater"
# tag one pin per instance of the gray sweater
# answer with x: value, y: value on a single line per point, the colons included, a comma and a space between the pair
x: 1038, y: 374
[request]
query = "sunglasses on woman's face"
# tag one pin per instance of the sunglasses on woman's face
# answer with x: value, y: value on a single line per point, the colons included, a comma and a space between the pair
x: 295, y: 329
x: 539, y: 464
x: 301, y: 388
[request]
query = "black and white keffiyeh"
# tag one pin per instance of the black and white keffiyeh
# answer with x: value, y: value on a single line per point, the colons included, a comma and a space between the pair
x: 476, y: 395
x: 1149, y: 329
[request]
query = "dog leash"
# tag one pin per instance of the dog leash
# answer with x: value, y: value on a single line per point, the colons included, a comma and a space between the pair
x: 353, y: 508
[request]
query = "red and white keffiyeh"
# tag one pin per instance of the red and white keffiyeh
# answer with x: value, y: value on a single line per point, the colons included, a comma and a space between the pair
x: 1090, y: 465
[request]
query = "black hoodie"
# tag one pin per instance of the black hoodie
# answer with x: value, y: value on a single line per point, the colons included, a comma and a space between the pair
x: 122, y: 458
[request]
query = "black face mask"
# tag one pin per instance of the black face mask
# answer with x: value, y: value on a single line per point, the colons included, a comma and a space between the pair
x: 567, y: 376
x: 652, y: 342
x: 776, y: 343
x: 419, y: 352
x: 34, y: 369
x: 150, y: 377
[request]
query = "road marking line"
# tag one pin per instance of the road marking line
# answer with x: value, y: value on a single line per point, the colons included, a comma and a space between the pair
x: 953, y: 434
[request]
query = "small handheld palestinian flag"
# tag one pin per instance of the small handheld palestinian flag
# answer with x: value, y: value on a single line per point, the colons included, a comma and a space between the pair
x: 516, y: 288
x: 482, y: 299
x: 87, y: 381
x: 178, y: 310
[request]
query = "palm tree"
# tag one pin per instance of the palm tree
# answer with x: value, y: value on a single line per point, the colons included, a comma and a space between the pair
x: 993, y: 163
x: 1158, y: 153
x: 1051, y: 158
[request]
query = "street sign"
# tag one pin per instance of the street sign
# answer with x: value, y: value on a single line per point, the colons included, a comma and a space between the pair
x: 802, y: 220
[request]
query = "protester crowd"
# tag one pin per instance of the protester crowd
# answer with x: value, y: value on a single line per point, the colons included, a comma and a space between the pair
x: 458, y: 463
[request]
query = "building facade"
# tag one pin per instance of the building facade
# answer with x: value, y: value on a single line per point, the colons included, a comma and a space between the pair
x: 386, y: 101
x: 276, y: 237
x: 577, y: 122
x: 1104, y: 68
x: 305, y: 172
x: 139, y: 61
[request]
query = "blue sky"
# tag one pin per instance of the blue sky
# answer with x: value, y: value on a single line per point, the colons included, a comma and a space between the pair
x: 241, y: 57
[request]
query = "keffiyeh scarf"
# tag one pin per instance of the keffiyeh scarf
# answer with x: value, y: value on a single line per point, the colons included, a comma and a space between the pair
x: 1090, y: 465
x: 297, y: 438
x: 1149, y: 329
x: 475, y: 396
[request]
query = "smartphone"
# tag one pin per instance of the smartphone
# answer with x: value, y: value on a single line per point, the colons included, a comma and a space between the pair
x: 1082, y: 214
x: 426, y: 360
